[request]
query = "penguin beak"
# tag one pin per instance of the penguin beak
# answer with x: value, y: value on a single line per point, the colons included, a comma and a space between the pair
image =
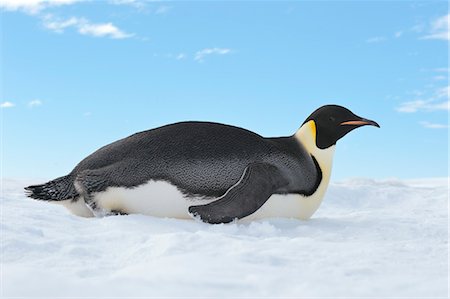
x: 360, y: 122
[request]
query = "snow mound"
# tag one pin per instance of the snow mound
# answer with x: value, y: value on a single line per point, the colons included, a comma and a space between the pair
x: 375, y: 238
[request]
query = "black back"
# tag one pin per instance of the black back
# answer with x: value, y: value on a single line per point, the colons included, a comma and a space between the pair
x: 200, y: 158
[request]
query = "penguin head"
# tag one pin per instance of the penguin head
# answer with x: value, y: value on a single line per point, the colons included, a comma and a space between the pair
x: 332, y: 122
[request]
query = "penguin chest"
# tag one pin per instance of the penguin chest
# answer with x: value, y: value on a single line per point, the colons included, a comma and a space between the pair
x: 155, y: 198
x: 287, y: 205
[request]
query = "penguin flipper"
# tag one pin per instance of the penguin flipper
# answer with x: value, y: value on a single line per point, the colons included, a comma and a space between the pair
x: 258, y: 182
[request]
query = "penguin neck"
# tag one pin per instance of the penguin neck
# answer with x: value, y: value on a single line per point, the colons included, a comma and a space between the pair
x: 306, y: 136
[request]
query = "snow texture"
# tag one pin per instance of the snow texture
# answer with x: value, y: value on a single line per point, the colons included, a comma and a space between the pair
x: 370, y: 238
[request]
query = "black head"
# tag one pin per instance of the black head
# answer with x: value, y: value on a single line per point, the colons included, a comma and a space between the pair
x: 333, y: 122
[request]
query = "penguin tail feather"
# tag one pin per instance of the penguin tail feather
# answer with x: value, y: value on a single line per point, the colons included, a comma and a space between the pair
x: 59, y: 189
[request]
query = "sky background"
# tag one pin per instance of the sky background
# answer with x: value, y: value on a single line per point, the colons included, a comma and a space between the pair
x: 77, y: 75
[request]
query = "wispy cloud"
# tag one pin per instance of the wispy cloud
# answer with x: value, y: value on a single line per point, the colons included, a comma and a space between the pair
x: 375, y: 39
x: 163, y: 9
x: 398, y: 34
x: 440, y: 101
x: 85, y: 27
x: 424, y: 105
x: 418, y: 28
x: 103, y: 30
x: 6, y: 105
x: 140, y: 5
x: 439, y: 29
x: 34, y: 103
x: 442, y: 70
x: 430, y: 125
x: 126, y: 2
x: 58, y: 26
x: 443, y: 92
x: 55, y: 24
x: 439, y: 78
x: 33, y: 6
x: 180, y: 56
x: 200, y: 55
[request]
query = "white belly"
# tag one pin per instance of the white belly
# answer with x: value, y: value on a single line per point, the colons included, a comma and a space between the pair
x: 155, y: 198
x: 162, y: 199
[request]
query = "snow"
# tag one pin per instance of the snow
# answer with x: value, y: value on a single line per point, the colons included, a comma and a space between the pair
x: 375, y: 238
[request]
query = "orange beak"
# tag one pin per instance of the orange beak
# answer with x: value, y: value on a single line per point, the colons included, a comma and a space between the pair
x: 360, y: 122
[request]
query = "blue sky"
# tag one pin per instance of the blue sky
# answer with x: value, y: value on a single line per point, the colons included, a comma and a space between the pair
x: 76, y: 75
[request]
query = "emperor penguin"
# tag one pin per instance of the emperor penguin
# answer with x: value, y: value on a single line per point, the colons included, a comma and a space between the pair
x: 211, y: 171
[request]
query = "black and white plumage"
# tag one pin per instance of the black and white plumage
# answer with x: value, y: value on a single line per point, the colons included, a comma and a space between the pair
x: 214, y: 171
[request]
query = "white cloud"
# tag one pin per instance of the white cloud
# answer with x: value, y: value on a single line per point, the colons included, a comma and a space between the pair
x: 427, y: 105
x: 34, y: 103
x: 375, y: 39
x: 429, y: 125
x: 439, y: 78
x: 398, y: 34
x: 127, y: 2
x: 180, y: 56
x: 102, y: 30
x: 33, y: 6
x: 122, y: 2
x: 443, y: 92
x: 413, y: 106
x: 83, y: 26
x: 442, y: 70
x: 138, y: 4
x: 163, y: 9
x: 7, y: 105
x: 59, y: 25
x: 439, y: 29
x: 143, y: 6
x: 440, y: 101
x: 200, y: 55
x: 418, y: 28
x: 423, y: 105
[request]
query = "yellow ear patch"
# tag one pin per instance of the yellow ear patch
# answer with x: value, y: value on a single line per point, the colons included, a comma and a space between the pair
x: 312, y: 126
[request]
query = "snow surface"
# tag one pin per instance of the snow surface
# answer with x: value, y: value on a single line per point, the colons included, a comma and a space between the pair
x: 371, y: 238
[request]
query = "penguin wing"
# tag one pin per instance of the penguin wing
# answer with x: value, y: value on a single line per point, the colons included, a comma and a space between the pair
x: 258, y: 182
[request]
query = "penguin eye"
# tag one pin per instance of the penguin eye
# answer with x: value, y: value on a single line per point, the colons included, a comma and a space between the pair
x: 332, y: 119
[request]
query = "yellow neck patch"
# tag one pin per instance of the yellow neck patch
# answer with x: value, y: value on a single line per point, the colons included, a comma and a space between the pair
x: 312, y: 126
